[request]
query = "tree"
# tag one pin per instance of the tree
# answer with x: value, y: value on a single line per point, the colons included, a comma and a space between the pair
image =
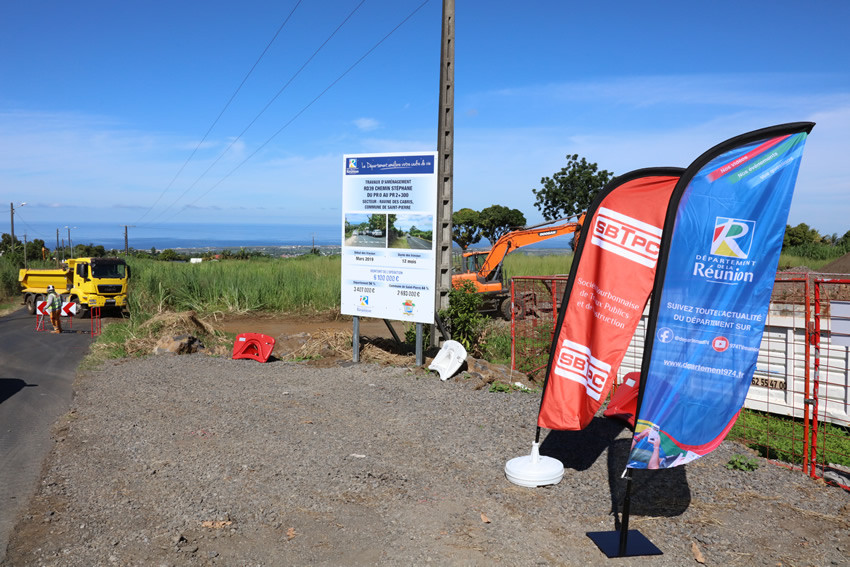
x: 496, y: 220
x: 377, y: 222
x: 6, y: 244
x: 34, y: 249
x: 466, y: 227
x: 799, y: 235
x: 392, y: 231
x: 570, y: 191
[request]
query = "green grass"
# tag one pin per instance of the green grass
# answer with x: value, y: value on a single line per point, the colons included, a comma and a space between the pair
x: 495, y: 343
x: 293, y: 285
x: 520, y: 264
x: 789, y: 262
x: 781, y: 438
x: 742, y: 463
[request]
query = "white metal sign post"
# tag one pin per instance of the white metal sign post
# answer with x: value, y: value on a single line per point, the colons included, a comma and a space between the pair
x: 388, y: 221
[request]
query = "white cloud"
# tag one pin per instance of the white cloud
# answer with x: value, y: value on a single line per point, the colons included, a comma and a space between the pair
x: 758, y: 90
x: 367, y: 124
x: 513, y: 138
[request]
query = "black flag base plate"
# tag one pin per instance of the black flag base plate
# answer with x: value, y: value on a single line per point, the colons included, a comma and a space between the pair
x: 636, y: 544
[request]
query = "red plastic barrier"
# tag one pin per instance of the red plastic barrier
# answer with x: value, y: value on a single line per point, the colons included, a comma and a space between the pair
x: 255, y: 346
x: 624, y: 401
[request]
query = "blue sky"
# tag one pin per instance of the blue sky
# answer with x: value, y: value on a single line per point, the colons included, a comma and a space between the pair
x: 103, y: 103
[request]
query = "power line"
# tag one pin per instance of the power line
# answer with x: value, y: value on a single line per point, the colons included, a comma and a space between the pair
x: 220, y: 114
x: 266, y: 107
x: 304, y: 109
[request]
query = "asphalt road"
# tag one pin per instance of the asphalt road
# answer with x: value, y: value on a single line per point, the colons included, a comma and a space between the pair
x: 417, y: 243
x: 36, y: 373
x: 366, y: 241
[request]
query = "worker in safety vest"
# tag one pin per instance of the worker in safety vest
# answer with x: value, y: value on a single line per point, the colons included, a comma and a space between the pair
x: 54, y: 307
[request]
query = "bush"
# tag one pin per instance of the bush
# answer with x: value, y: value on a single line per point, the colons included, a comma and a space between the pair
x: 463, y: 317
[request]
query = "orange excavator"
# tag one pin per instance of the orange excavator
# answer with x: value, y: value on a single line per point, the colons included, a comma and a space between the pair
x: 484, y: 267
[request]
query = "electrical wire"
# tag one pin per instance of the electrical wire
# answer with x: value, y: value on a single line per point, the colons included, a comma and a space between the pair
x: 257, y: 117
x: 220, y: 114
x: 303, y: 109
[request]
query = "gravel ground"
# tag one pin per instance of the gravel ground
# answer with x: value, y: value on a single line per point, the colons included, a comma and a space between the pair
x: 196, y: 460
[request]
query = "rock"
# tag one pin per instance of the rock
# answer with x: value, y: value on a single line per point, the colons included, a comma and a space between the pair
x: 178, y: 344
x: 290, y: 344
x: 486, y: 373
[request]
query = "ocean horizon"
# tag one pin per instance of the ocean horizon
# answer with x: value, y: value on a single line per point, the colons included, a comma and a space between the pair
x: 161, y: 237
x: 205, y: 235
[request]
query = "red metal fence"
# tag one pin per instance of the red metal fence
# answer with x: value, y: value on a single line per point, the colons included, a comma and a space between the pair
x: 799, y: 402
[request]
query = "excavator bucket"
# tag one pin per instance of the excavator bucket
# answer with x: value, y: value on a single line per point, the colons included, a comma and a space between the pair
x: 255, y: 346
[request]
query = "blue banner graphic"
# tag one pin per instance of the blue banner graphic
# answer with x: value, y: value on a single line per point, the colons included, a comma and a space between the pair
x: 723, y: 236
x: 389, y: 164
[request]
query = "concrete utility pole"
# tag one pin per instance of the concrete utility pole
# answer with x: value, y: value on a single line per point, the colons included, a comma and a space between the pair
x: 12, y: 222
x: 12, y: 216
x: 70, y: 246
x: 445, y: 165
x: 126, y: 241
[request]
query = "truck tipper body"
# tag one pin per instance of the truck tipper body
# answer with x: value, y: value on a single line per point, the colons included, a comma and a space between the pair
x: 88, y: 282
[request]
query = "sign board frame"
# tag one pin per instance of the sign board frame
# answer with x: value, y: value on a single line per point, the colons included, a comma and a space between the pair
x: 389, y: 210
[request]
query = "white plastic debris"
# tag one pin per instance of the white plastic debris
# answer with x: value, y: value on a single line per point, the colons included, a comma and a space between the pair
x: 448, y: 360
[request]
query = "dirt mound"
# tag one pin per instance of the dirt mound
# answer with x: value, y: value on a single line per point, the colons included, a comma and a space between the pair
x: 182, y: 322
x: 145, y: 337
x: 839, y: 266
x: 327, y: 347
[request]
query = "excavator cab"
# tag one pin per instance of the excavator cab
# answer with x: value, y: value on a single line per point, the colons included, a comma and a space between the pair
x: 473, y: 263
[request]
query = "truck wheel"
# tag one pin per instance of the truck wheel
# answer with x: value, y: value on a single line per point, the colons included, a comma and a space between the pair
x: 29, y: 300
x: 518, y: 309
x: 80, y: 308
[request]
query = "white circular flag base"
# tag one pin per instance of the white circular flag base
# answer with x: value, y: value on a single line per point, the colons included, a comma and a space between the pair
x: 533, y: 470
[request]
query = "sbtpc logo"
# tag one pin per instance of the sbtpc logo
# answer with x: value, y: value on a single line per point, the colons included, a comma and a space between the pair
x: 627, y: 237
x: 574, y: 362
x: 732, y: 237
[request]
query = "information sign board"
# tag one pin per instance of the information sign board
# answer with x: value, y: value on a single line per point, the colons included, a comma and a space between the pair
x: 389, y: 206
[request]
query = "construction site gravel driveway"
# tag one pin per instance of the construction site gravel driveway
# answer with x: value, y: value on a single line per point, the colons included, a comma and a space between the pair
x: 201, y: 460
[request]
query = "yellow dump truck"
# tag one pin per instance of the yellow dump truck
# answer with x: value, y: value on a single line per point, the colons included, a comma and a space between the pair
x: 88, y: 282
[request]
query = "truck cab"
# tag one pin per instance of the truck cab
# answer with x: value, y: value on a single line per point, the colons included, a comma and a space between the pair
x: 98, y: 282
x: 87, y: 282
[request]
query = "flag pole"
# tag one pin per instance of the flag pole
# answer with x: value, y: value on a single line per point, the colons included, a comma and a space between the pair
x: 624, y: 543
x: 624, y: 518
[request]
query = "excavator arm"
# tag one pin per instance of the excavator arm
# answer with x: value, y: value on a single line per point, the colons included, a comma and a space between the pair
x: 523, y: 237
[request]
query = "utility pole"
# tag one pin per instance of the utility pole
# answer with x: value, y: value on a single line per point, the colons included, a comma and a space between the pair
x: 126, y: 241
x: 25, y: 250
x: 57, y: 248
x: 12, y: 216
x: 445, y: 165
x: 12, y: 222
